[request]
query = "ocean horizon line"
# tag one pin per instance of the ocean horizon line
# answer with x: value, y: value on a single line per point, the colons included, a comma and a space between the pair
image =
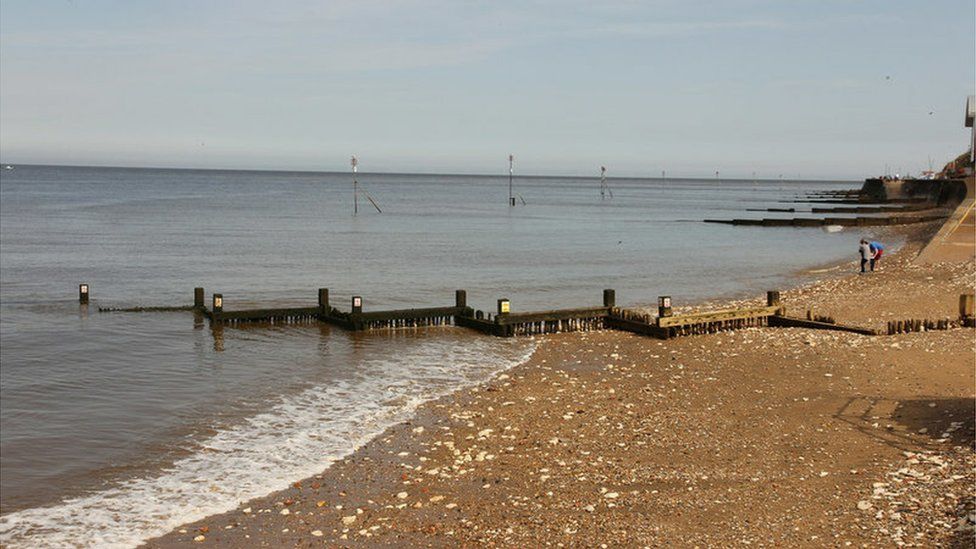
x: 438, y: 174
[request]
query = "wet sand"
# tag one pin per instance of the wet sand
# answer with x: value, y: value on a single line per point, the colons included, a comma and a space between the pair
x: 768, y: 437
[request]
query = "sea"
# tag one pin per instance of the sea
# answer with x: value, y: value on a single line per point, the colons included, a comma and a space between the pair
x: 117, y: 427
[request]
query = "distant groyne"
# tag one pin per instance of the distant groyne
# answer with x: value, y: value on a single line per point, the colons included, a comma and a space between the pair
x: 879, y: 202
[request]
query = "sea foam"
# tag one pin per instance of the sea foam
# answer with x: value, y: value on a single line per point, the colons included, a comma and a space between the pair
x: 299, y: 436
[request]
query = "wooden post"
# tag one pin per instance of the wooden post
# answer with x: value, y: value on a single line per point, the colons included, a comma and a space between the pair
x: 357, y: 304
x: 217, y: 305
x: 609, y: 298
x: 664, y: 306
x: 323, y: 301
x: 460, y: 298
x: 965, y: 305
x: 773, y: 300
x: 355, y: 187
x: 198, y: 298
x: 504, y: 306
x: 511, y: 172
x: 83, y: 294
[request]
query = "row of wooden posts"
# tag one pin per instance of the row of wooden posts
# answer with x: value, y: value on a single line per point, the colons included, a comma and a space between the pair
x: 918, y: 325
x: 506, y: 323
x: 820, y: 318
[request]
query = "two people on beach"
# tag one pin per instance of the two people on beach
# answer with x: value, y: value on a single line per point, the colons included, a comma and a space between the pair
x: 870, y: 253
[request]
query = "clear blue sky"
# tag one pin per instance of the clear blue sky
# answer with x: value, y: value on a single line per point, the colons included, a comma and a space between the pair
x: 816, y: 88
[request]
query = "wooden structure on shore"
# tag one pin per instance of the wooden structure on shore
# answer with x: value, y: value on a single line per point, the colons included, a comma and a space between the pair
x: 505, y: 323
x: 842, y: 221
x: 355, y: 320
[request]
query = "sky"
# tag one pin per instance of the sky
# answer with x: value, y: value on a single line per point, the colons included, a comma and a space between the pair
x: 811, y: 89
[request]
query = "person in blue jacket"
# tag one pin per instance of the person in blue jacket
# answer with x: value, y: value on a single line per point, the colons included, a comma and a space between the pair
x: 876, y: 250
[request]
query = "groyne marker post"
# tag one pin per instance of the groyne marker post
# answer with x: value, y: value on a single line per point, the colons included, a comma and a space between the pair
x: 356, y: 311
x: 966, y: 305
x: 603, y: 181
x: 609, y: 298
x: 460, y: 298
x: 504, y: 307
x: 664, y: 306
x: 323, y: 301
x: 511, y: 173
x: 355, y: 187
x: 83, y: 294
x: 773, y: 300
x: 198, y: 298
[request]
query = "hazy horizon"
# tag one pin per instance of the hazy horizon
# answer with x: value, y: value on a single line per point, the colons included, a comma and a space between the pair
x: 785, y: 178
x: 827, y: 90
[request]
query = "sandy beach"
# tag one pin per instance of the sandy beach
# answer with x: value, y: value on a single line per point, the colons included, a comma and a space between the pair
x: 765, y: 437
x: 487, y: 274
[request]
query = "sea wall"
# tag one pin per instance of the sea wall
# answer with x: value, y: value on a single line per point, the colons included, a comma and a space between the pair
x: 940, y: 191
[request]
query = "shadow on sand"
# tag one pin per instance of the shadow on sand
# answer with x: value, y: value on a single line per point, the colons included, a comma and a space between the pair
x: 912, y: 425
x: 916, y: 425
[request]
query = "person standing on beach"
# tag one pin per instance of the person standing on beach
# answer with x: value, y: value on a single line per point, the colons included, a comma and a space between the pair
x: 876, y: 250
x: 866, y: 254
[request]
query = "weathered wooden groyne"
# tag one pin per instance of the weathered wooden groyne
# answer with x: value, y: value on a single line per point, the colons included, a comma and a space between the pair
x: 852, y: 209
x: 858, y: 200
x: 824, y: 221
x: 356, y: 319
x: 506, y: 323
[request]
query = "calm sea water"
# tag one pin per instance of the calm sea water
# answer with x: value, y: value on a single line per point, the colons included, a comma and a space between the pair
x: 117, y: 427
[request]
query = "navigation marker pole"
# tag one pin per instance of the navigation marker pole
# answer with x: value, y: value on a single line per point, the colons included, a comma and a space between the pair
x: 604, y: 186
x: 355, y: 190
x: 603, y: 182
x: 355, y: 186
x: 511, y: 172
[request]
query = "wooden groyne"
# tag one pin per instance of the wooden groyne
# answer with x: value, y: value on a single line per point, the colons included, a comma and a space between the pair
x: 875, y: 209
x: 146, y: 309
x: 966, y: 319
x: 506, y: 323
x: 851, y: 209
x: 860, y: 200
x: 356, y: 319
x: 824, y: 221
x: 538, y: 322
x: 666, y: 327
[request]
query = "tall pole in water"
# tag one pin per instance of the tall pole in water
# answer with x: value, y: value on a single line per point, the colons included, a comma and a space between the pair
x: 603, y: 181
x: 355, y: 187
x: 511, y: 173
